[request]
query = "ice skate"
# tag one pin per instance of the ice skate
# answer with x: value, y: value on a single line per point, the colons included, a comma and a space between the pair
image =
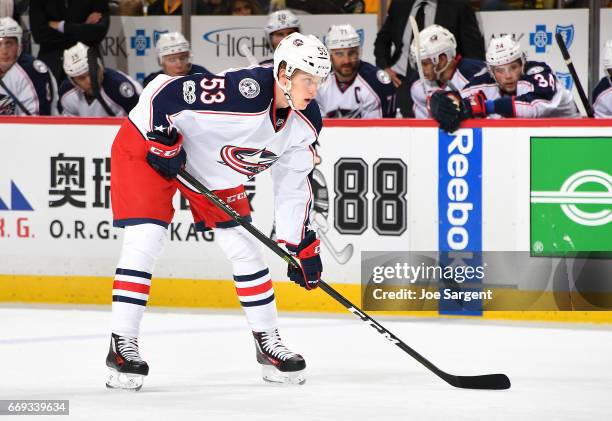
x: 126, y: 368
x: 279, y: 364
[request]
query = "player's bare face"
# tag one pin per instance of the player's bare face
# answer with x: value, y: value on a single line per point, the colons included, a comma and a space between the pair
x: 345, y: 62
x: 8, y: 53
x: 508, y: 75
x: 428, y: 69
x: 176, y: 64
x: 304, y: 88
x: 277, y: 37
x: 83, y: 82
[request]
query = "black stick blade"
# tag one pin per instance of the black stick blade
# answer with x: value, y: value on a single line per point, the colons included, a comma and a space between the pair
x: 486, y: 381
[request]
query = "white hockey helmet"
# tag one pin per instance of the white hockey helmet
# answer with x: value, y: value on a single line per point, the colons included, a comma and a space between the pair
x: 503, y: 50
x: 342, y: 36
x: 75, y: 60
x: 279, y: 20
x: 607, y: 55
x: 9, y: 28
x: 435, y: 40
x: 303, y: 52
x: 171, y: 43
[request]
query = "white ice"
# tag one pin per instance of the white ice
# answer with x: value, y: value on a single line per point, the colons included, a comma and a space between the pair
x: 203, y: 368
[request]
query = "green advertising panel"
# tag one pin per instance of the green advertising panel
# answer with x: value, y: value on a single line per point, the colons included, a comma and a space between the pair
x: 571, y: 195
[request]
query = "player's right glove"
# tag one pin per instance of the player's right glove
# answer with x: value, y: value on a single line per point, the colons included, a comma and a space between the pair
x: 165, y: 152
x: 448, y: 109
x: 309, y: 273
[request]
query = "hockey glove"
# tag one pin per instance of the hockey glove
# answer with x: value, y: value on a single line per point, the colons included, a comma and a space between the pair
x: 165, y: 152
x: 476, y: 105
x: 446, y: 109
x: 309, y: 273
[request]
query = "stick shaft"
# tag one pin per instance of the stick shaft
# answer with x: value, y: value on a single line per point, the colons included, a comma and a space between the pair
x: 493, y: 381
x: 572, y: 69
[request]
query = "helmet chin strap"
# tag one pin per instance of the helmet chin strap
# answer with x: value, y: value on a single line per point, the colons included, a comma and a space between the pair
x: 287, y: 93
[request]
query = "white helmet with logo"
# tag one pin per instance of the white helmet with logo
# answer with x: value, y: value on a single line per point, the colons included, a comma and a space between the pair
x: 11, y: 29
x: 75, y: 60
x: 435, y: 41
x: 303, y: 52
x: 281, y: 19
x: 171, y: 43
x: 607, y: 55
x: 503, y: 50
x: 342, y: 36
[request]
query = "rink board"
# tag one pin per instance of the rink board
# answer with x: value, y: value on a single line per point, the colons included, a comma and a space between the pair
x: 58, y: 243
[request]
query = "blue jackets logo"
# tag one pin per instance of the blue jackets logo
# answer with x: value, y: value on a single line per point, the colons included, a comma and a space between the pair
x: 18, y: 201
x: 140, y: 42
x: 567, y: 33
x: 540, y: 38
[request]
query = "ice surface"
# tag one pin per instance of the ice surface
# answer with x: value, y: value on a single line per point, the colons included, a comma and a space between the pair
x: 203, y: 368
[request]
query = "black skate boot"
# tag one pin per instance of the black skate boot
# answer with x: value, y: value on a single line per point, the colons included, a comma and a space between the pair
x: 279, y: 364
x: 127, y: 369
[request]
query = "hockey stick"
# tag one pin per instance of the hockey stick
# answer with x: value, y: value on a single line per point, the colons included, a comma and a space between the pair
x: 570, y: 66
x: 417, y: 43
x: 14, y: 98
x: 246, y: 52
x: 487, y: 381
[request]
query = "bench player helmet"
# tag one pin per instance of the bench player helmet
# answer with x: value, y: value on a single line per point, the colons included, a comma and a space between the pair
x: 503, y: 50
x: 342, y: 36
x: 9, y: 28
x: 171, y: 43
x: 303, y: 52
x: 435, y: 40
x: 75, y: 60
x: 279, y: 20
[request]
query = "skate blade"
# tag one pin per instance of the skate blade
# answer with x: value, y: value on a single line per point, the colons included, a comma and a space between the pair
x: 124, y: 381
x: 273, y: 375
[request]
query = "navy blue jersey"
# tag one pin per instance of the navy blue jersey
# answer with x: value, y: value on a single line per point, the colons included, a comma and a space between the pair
x: 232, y: 130
x: 118, y: 90
x: 538, y: 94
x: 195, y: 68
x: 32, y: 84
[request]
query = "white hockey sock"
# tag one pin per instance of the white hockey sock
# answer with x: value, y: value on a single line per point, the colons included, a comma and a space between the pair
x: 142, y: 245
x: 251, y: 277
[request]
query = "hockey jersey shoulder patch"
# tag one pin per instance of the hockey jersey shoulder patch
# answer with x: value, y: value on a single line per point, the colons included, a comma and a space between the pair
x: 249, y: 88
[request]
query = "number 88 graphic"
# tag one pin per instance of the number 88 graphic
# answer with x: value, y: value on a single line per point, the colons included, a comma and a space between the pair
x: 351, y: 204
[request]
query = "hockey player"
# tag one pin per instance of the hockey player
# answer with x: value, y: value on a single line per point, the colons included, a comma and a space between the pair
x: 92, y: 90
x: 355, y: 89
x: 280, y: 24
x: 174, y: 57
x: 513, y: 87
x: 602, y: 94
x: 232, y: 126
x: 27, y: 87
x: 440, y: 64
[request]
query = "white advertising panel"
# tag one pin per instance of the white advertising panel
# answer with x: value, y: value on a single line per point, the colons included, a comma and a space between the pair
x: 605, y: 23
x: 130, y: 43
x: 377, y: 188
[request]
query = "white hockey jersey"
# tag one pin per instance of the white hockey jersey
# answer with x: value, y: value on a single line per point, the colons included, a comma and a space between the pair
x: 465, y: 69
x: 119, y: 91
x: 602, y: 99
x: 31, y: 82
x: 538, y: 94
x: 232, y: 131
x: 369, y: 95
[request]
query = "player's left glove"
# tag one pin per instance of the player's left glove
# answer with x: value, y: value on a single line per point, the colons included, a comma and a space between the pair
x: 309, y: 273
x: 165, y: 152
x: 448, y: 109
